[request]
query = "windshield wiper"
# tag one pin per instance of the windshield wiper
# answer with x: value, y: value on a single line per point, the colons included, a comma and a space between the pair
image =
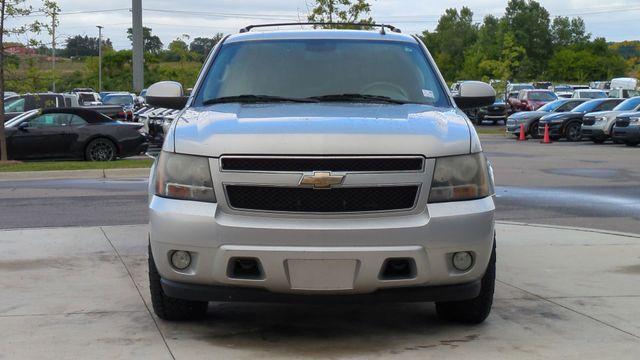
x: 358, y: 98
x: 252, y: 99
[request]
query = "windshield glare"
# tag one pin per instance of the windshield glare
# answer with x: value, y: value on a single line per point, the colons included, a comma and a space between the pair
x: 586, y: 107
x: 552, y: 105
x: 301, y: 69
x: 541, y: 96
x: 629, y: 104
x: 117, y: 100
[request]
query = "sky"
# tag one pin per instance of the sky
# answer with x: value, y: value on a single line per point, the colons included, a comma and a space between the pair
x: 170, y: 19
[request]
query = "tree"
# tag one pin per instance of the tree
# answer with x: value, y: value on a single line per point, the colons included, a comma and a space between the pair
x: 85, y: 46
x: 341, y: 11
x: 203, y: 46
x: 11, y: 9
x: 568, y: 32
x: 152, y: 43
x: 453, y: 36
x: 529, y: 22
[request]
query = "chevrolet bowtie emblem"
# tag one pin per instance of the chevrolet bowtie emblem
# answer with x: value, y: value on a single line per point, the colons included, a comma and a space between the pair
x: 321, y: 180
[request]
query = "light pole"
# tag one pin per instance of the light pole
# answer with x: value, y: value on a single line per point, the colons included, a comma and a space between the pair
x: 138, y: 45
x: 99, y: 58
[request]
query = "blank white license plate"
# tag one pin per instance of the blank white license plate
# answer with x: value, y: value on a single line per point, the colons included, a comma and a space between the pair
x: 321, y: 274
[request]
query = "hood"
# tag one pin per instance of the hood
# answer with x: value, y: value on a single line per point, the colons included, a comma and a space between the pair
x: 560, y: 116
x: 528, y: 115
x: 321, y: 129
x: 609, y: 113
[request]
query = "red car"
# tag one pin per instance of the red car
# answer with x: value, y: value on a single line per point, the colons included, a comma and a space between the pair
x: 531, y: 100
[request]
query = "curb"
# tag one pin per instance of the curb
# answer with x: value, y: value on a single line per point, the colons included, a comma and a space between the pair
x: 75, y: 174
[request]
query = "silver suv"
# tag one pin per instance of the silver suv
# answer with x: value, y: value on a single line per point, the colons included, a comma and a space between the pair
x: 598, y: 126
x: 321, y: 165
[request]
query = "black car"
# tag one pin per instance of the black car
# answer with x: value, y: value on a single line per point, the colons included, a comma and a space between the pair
x: 72, y: 133
x: 495, y: 112
x: 568, y: 124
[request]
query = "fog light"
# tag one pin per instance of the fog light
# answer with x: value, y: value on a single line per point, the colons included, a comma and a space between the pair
x: 462, y: 260
x: 180, y: 259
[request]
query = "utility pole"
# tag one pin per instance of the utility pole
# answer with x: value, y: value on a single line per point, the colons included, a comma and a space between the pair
x: 138, y: 46
x: 99, y: 58
x: 53, y: 50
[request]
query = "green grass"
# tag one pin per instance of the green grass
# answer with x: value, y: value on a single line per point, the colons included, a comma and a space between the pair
x: 490, y: 130
x: 76, y: 165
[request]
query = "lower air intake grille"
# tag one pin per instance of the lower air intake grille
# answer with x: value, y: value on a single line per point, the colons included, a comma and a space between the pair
x: 345, y: 199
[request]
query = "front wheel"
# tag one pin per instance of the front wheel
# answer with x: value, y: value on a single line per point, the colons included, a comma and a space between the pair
x: 476, y: 310
x: 598, y: 140
x: 100, y: 150
x: 168, y: 308
x: 573, y: 132
x: 533, y: 130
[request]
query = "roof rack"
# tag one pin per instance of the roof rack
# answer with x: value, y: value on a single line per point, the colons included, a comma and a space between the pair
x: 381, y: 26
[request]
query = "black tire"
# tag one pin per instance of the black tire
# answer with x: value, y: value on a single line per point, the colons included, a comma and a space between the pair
x: 598, y: 140
x: 631, y: 143
x: 533, y: 130
x: 100, y: 149
x: 476, y: 310
x: 573, y: 132
x: 168, y: 308
x: 495, y: 122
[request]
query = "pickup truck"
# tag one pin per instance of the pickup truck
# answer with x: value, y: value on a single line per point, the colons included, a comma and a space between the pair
x: 321, y: 165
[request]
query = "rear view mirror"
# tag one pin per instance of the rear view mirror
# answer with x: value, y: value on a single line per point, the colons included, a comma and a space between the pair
x: 166, y: 94
x: 473, y: 94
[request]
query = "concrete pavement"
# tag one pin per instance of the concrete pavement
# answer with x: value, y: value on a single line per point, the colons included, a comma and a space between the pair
x: 83, y: 293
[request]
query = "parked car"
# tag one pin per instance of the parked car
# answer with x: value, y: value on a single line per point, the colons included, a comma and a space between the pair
x: 126, y: 100
x: 494, y: 112
x: 512, y: 102
x: 543, y: 85
x: 627, y: 129
x: 624, y: 88
x: 88, y: 98
x: 72, y: 133
x: 589, y: 94
x: 516, y: 87
x: 530, y: 100
x: 530, y: 118
x: 563, y: 91
x: 115, y: 112
x: 9, y: 94
x: 598, y: 126
x: 568, y: 124
x: 18, y: 104
x: 300, y: 170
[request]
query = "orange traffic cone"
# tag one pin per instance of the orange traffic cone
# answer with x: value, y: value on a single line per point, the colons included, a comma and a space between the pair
x: 523, y: 136
x: 546, y: 139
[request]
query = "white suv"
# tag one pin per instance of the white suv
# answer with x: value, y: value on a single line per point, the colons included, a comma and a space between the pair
x: 321, y: 165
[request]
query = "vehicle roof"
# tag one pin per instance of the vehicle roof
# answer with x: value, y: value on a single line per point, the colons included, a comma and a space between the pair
x: 319, y: 34
x: 90, y: 116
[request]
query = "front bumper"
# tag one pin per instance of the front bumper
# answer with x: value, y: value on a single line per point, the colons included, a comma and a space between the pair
x: 627, y: 134
x: 555, y: 129
x: 215, y: 237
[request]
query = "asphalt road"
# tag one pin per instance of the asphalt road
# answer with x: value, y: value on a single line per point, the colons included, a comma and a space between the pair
x: 571, y: 184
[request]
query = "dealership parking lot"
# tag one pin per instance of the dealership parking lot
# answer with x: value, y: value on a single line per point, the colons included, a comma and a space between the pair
x: 74, y: 259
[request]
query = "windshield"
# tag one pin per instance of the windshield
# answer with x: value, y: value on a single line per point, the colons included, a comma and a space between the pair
x: 552, y: 105
x: 593, y: 94
x: 298, y: 69
x: 518, y: 87
x: 117, y: 100
x: 562, y: 88
x: 629, y: 104
x: 541, y: 96
x: 587, y: 107
x: 18, y: 119
x: 14, y: 105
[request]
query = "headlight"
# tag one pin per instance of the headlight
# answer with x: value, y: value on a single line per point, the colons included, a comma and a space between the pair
x: 601, y: 119
x: 184, y: 177
x: 463, y: 177
x: 635, y: 121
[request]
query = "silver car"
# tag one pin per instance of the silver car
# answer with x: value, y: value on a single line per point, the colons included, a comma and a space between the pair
x: 598, y: 126
x: 321, y: 165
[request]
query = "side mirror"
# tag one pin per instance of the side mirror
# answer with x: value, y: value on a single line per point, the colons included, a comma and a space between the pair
x: 166, y: 94
x: 474, y: 94
x: 23, y: 126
